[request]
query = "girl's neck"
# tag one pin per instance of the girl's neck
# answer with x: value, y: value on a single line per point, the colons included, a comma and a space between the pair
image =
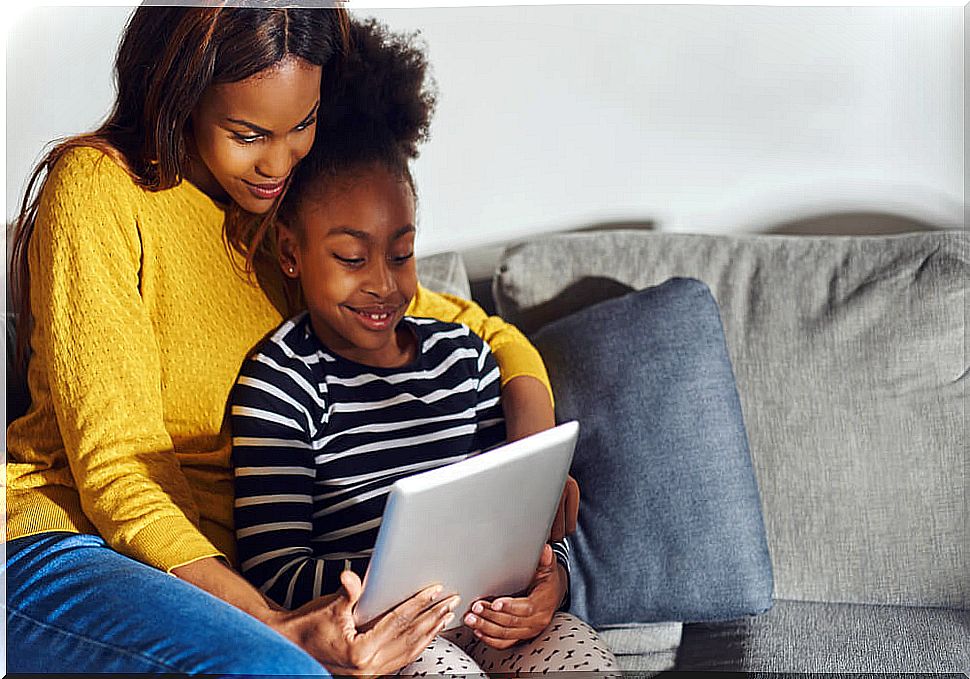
x: 402, y: 351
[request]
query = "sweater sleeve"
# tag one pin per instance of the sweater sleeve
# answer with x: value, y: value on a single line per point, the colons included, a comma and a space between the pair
x: 514, y: 353
x: 98, y: 344
x: 274, y: 472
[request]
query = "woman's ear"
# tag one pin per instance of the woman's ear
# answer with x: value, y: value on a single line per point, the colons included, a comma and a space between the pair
x: 288, y: 246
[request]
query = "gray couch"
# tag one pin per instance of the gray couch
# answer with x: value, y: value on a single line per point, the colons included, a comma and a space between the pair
x: 851, y: 357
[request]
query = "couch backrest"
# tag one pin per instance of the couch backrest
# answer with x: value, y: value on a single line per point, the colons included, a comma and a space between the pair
x: 851, y: 360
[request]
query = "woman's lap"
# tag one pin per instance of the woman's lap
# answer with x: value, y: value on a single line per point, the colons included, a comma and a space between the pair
x: 75, y: 605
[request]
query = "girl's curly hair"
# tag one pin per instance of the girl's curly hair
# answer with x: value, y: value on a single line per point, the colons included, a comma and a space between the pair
x: 376, y: 109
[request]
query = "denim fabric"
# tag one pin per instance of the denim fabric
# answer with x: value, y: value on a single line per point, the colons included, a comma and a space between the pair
x: 76, y: 606
x: 670, y: 526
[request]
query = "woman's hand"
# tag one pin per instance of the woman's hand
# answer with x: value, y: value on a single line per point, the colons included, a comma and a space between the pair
x: 506, y: 621
x: 325, y: 628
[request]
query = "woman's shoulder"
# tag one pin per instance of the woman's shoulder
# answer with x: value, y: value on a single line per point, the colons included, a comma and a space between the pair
x: 88, y: 162
x: 90, y: 174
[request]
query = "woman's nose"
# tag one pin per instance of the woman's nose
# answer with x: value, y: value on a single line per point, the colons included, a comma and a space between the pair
x: 277, y: 160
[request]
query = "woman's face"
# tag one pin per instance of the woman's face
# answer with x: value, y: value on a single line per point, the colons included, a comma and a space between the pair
x: 249, y: 135
x: 354, y: 257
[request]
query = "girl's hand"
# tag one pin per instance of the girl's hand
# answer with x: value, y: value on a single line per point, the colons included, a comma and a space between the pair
x: 325, y: 628
x: 506, y: 621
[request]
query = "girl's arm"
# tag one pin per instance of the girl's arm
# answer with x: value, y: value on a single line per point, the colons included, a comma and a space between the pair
x: 95, y: 344
x: 272, y: 414
x: 526, y: 393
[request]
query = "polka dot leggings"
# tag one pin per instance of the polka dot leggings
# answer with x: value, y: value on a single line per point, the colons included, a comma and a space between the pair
x: 567, y: 645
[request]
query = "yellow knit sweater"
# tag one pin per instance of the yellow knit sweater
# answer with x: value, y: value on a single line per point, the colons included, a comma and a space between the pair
x: 141, y: 323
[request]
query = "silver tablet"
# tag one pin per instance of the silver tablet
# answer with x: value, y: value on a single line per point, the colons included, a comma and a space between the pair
x: 477, y: 527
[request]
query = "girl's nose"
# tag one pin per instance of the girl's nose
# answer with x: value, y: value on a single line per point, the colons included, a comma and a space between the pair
x: 381, y: 283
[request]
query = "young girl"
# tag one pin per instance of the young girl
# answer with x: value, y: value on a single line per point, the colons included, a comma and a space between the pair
x: 118, y: 476
x: 356, y: 392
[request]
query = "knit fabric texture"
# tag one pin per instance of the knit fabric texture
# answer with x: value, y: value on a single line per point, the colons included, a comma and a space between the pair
x: 141, y: 323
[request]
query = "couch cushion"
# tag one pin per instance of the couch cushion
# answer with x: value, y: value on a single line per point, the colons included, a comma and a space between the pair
x: 800, y: 636
x: 444, y: 272
x: 670, y: 505
x: 646, y: 647
x: 851, y: 360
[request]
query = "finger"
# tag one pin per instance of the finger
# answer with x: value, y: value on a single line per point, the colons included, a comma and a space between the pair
x: 572, y: 505
x: 401, y: 643
x: 352, y: 585
x: 546, y: 558
x: 558, y: 530
x: 520, y: 607
x: 487, y: 628
x: 502, y: 618
x: 410, y: 608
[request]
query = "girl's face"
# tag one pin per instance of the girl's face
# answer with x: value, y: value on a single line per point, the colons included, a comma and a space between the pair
x: 250, y: 134
x: 354, y: 257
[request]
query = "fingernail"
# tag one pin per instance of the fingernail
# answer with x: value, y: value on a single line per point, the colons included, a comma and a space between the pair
x: 435, y: 592
x: 470, y: 619
x: 496, y: 605
x: 478, y: 607
x: 449, y: 618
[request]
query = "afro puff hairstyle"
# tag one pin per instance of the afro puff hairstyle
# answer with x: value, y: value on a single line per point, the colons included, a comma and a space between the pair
x: 375, y: 108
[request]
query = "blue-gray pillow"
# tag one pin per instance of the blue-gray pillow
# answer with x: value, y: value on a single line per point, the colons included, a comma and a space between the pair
x: 670, y: 524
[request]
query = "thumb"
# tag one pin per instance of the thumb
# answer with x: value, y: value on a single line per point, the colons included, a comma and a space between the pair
x: 352, y: 585
x: 546, y: 558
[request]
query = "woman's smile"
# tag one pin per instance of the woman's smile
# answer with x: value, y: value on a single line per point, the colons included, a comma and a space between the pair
x: 266, y: 190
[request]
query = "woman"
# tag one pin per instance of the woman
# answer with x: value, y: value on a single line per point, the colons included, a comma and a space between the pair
x: 141, y: 317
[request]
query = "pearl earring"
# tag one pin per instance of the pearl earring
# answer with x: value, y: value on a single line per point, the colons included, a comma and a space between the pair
x: 291, y: 270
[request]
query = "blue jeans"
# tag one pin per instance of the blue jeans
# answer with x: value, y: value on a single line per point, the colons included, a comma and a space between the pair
x: 75, y: 605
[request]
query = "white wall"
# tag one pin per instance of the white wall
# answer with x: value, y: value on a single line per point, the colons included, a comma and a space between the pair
x: 698, y: 118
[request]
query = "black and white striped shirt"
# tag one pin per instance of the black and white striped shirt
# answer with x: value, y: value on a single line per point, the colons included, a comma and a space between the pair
x: 318, y: 440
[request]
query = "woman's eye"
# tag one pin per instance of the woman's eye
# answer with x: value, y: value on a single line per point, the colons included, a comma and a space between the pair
x: 244, y: 139
x: 306, y: 123
x: 401, y: 259
x: 349, y: 261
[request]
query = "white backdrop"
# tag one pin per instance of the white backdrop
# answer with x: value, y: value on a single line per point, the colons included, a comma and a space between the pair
x: 704, y: 118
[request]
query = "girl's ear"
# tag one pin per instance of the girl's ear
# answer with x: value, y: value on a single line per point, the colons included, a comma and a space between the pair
x: 288, y: 247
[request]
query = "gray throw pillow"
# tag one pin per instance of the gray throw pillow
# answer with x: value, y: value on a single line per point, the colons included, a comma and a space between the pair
x: 670, y: 524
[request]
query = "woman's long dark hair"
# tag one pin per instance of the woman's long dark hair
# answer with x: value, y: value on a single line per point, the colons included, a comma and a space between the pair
x: 167, y: 58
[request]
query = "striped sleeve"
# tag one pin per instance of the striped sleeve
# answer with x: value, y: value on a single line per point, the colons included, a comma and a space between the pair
x: 490, y: 421
x: 271, y: 413
x: 560, y: 549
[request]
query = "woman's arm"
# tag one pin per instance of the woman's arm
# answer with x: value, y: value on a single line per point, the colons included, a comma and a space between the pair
x: 526, y: 393
x: 94, y: 336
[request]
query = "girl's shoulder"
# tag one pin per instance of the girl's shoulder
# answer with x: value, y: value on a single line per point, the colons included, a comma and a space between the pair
x: 431, y: 332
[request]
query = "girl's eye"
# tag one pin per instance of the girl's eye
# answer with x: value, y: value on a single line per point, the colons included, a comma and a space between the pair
x: 349, y: 261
